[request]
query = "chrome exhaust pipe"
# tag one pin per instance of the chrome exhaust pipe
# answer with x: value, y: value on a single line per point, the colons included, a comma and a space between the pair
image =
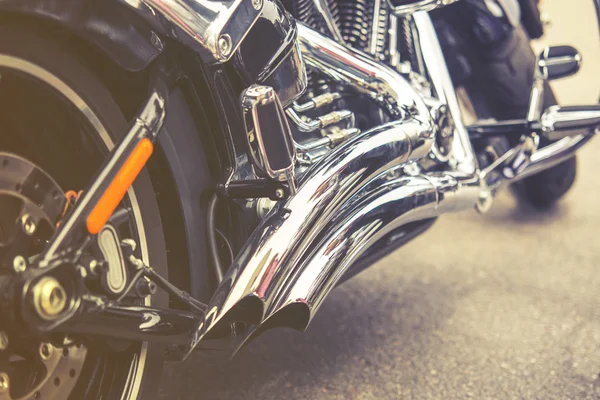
x: 279, y: 248
x: 388, y: 205
x: 276, y: 247
x: 353, y: 68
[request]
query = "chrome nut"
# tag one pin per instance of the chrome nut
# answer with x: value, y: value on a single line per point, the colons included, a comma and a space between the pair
x: 28, y: 224
x: 49, y: 298
x: 19, y: 264
x: 225, y: 45
x: 279, y: 193
x: 45, y: 351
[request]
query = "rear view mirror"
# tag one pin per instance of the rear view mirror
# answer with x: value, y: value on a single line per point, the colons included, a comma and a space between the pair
x: 559, y: 62
x: 407, y: 7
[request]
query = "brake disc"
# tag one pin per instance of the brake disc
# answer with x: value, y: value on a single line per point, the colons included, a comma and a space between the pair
x: 61, y: 368
x: 31, y: 204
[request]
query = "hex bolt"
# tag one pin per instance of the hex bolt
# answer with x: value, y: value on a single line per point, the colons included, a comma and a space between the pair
x: 28, y: 224
x: 19, y: 264
x: 3, y: 341
x: 225, y: 45
x: 145, y: 288
x: 257, y: 4
x: 4, y: 382
x: 45, y: 351
x: 279, y: 193
x: 49, y: 298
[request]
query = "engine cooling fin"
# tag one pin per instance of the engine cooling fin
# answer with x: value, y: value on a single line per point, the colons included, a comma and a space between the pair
x: 354, y: 21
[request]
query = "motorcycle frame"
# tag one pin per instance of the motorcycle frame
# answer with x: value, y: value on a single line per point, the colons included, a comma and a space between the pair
x: 461, y: 187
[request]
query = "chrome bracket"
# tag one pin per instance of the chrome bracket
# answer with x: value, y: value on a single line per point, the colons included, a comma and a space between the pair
x: 213, y: 28
x: 270, y: 142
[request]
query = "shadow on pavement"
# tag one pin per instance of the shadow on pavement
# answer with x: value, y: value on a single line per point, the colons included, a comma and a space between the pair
x: 352, y: 330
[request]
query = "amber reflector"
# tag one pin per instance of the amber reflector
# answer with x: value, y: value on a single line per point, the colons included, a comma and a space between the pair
x: 119, y: 186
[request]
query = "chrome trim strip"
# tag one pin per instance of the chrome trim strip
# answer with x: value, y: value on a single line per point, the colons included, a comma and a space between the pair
x: 375, y: 27
x: 393, y: 41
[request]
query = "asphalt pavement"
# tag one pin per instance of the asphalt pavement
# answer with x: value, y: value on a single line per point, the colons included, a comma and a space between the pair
x: 498, y: 306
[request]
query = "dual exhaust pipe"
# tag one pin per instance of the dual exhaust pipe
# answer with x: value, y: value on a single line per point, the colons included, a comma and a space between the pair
x: 354, y: 196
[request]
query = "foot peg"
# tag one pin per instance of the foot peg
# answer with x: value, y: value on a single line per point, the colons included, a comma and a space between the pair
x: 559, y: 62
x: 554, y: 124
x: 559, y: 122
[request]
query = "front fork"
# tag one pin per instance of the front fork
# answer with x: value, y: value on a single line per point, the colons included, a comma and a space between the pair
x: 109, y: 186
x: 50, y: 297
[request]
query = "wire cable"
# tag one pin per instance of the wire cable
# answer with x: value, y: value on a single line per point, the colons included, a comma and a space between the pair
x: 212, y: 240
x: 228, y: 245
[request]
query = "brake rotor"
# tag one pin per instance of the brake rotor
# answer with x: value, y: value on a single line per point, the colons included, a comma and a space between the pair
x: 60, y: 369
x: 31, y: 204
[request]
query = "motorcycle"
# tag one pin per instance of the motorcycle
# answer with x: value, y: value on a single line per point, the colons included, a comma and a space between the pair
x: 273, y: 151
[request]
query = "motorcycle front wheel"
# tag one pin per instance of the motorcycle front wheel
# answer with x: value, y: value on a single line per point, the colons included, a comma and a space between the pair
x: 57, y: 114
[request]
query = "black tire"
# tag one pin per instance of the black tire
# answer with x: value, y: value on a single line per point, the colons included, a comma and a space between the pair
x: 532, y: 20
x: 40, y: 49
x: 499, y: 87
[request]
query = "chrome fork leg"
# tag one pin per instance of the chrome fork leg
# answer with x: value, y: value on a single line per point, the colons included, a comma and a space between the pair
x: 435, y: 66
x: 464, y: 158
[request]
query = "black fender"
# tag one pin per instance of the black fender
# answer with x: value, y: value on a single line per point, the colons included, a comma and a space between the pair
x: 186, y: 160
x: 109, y: 25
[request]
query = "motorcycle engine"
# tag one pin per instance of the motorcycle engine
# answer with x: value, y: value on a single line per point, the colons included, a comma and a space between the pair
x: 369, y: 27
x: 363, y: 24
